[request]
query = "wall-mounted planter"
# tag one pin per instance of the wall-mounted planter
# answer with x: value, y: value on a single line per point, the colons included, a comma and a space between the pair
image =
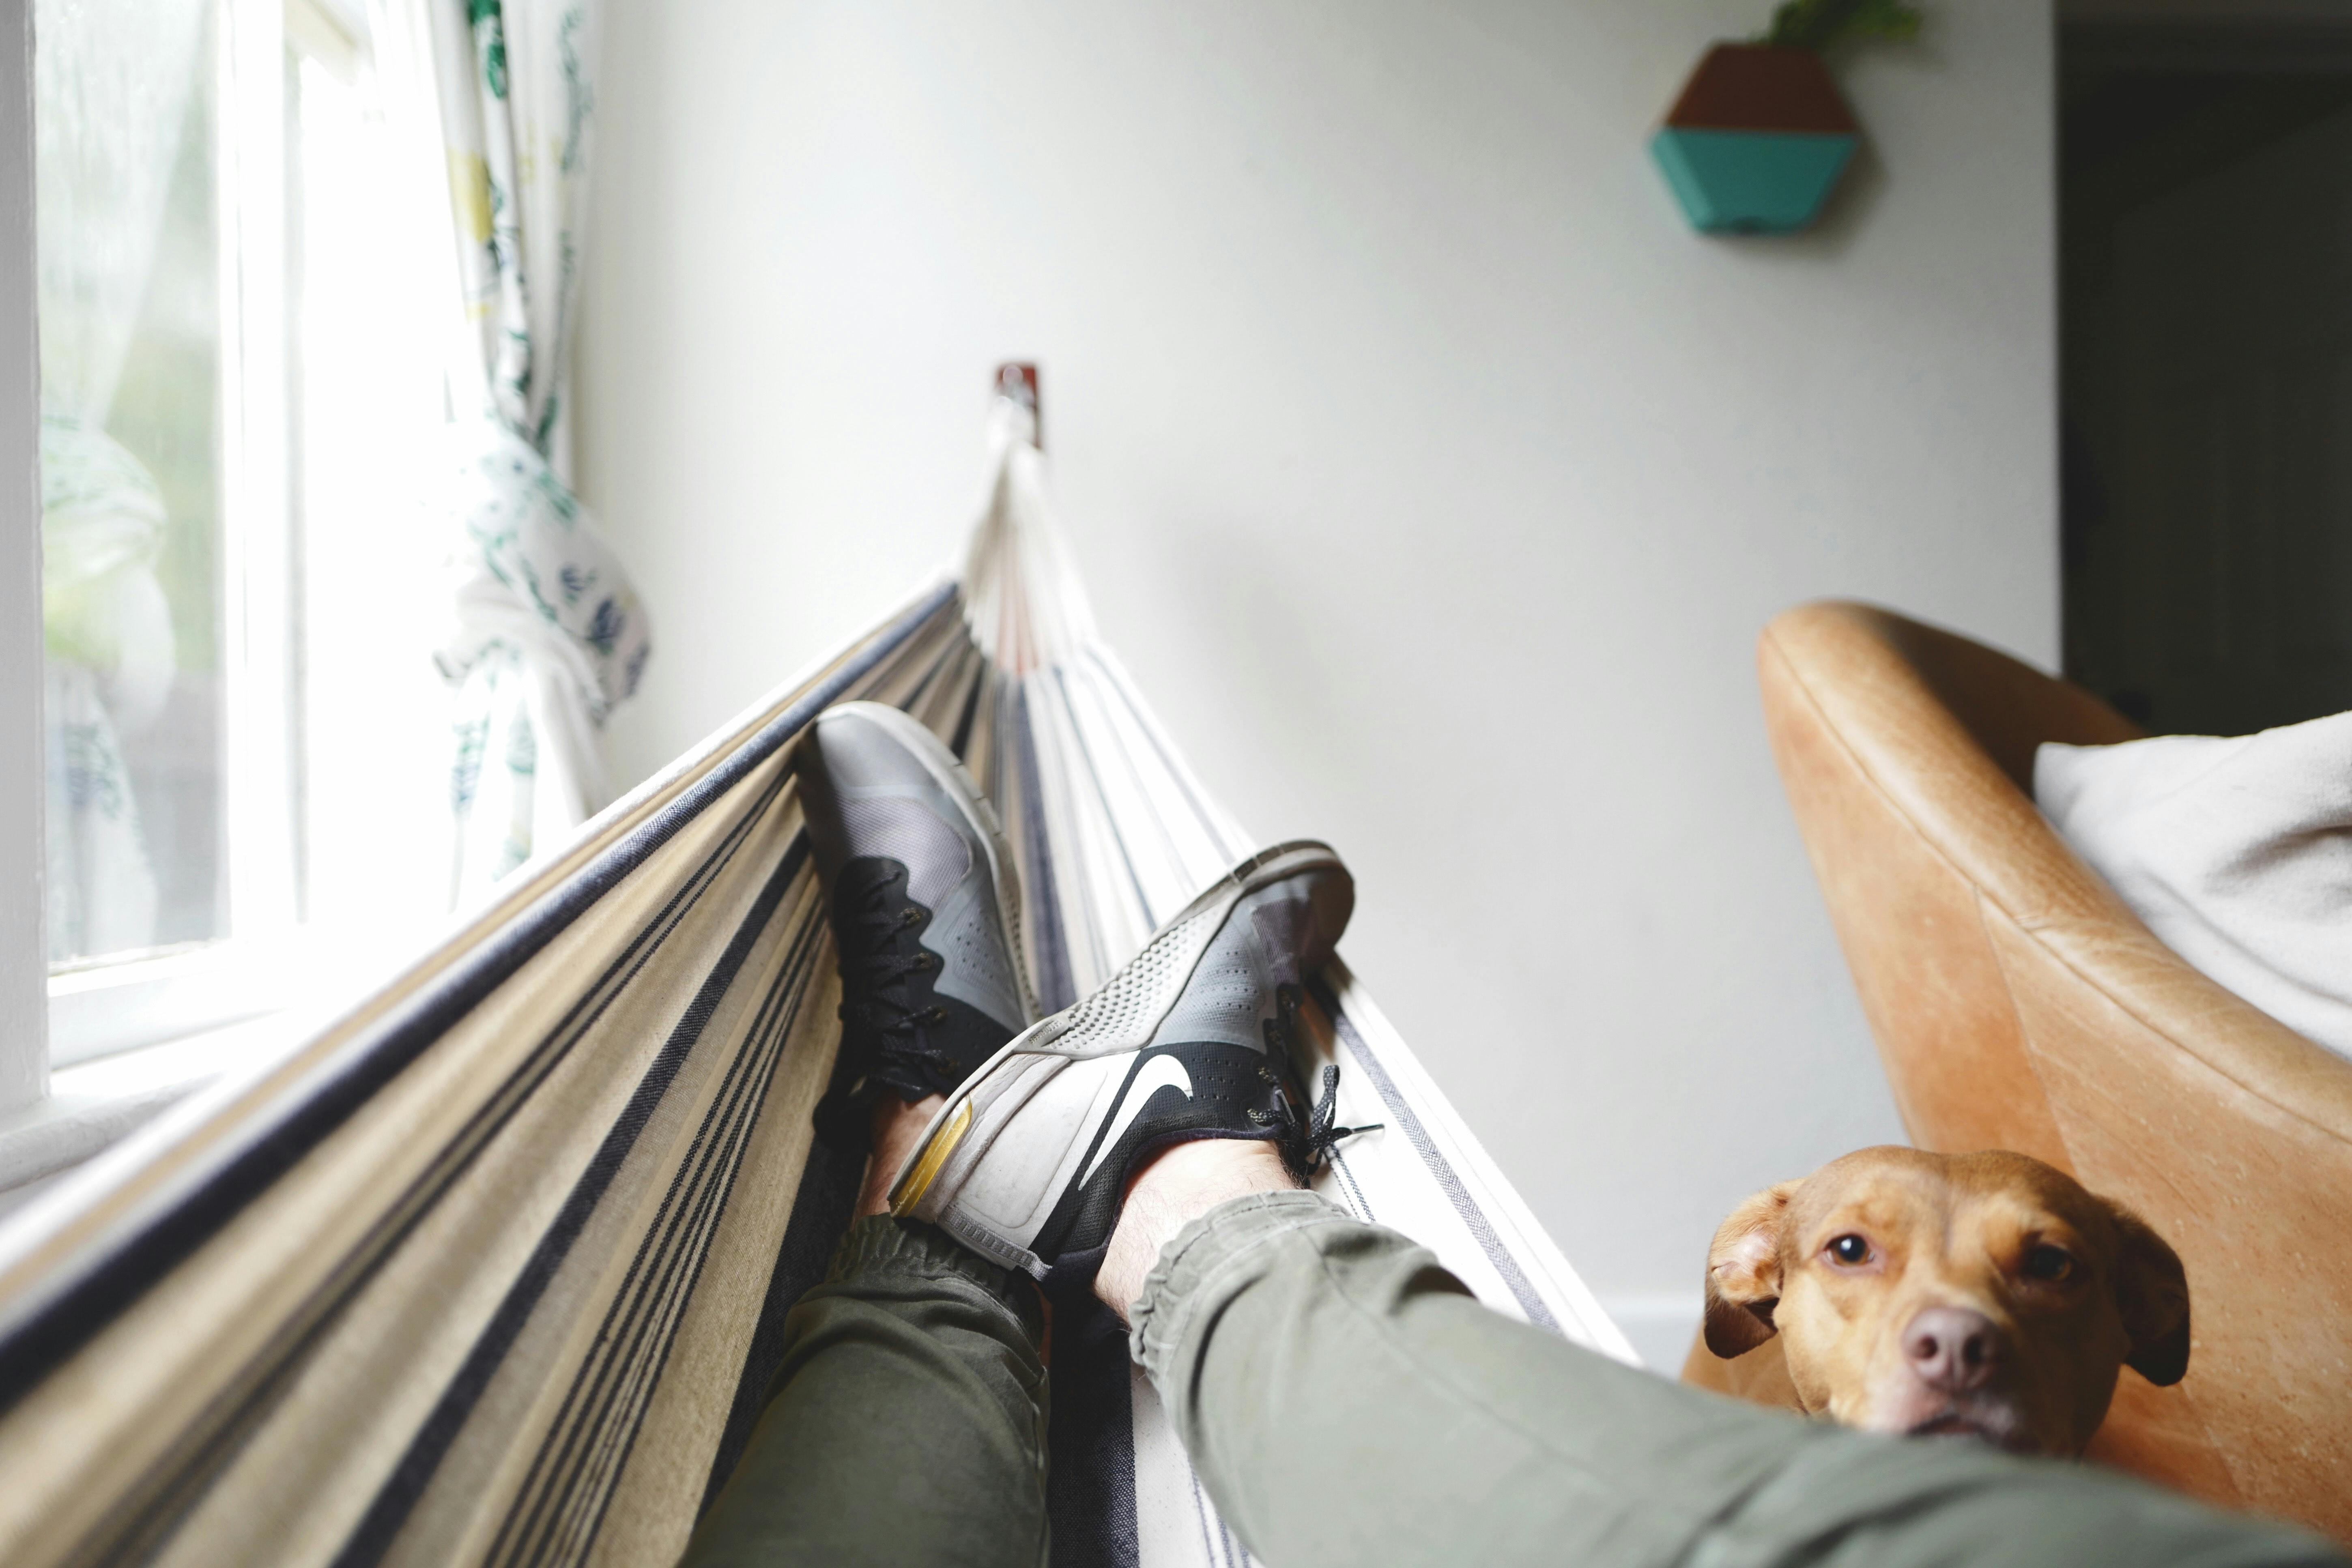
x: 1757, y: 140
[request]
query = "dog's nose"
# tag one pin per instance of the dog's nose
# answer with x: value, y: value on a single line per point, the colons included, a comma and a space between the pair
x: 1951, y: 1348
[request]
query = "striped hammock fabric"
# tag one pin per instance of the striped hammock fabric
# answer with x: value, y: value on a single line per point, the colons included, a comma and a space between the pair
x: 493, y: 1270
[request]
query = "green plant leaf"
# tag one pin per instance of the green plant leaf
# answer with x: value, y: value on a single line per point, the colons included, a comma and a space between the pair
x: 1818, y: 23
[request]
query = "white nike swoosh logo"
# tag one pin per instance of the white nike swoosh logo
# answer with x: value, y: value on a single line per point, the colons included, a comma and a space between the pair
x: 1159, y: 1070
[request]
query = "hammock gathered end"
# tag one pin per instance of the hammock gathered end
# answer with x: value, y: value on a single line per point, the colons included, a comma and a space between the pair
x: 1022, y: 598
x: 492, y: 1269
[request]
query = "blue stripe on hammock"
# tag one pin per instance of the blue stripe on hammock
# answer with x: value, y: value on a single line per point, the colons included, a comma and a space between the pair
x: 151, y: 1507
x: 1055, y: 990
x: 1090, y: 1431
x: 641, y: 1324
x: 407, y: 1483
x: 829, y: 1181
x: 1473, y: 1219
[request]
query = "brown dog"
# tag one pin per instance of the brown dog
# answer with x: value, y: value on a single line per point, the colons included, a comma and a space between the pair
x: 1985, y: 1294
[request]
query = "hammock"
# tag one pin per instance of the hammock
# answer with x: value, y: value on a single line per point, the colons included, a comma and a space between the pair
x: 492, y: 1271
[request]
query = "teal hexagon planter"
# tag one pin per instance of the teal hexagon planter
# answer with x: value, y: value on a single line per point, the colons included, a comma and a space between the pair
x: 1757, y: 140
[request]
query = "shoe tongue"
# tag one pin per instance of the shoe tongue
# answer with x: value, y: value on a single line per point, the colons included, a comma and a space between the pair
x: 1283, y: 927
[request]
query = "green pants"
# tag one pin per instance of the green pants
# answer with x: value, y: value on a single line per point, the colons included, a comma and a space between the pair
x: 1346, y: 1402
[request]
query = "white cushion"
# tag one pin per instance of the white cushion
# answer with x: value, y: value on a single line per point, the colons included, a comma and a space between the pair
x: 2236, y: 851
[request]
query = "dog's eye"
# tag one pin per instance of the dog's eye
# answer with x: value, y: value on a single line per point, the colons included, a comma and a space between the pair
x: 1850, y: 1250
x: 2048, y: 1264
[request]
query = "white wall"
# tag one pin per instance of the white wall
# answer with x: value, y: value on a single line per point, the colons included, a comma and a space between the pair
x: 1434, y: 477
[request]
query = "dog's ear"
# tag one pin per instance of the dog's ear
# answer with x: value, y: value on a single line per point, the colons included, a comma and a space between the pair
x: 2152, y: 1293
x: 1743, y: 1273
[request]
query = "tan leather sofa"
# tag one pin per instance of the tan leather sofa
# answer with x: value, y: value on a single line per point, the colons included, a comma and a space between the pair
x: 2018, y: 1004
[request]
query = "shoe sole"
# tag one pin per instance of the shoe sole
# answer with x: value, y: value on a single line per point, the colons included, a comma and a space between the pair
x: 952, y: 776
x: 1128, y: 1009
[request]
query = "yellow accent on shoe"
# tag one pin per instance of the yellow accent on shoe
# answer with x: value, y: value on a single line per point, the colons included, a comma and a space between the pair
x: 936, y: 1150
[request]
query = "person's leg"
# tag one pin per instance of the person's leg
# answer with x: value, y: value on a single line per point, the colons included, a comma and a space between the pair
x: 906, y: 1424
x: 906, y: 1421
x: 1346, y: 1401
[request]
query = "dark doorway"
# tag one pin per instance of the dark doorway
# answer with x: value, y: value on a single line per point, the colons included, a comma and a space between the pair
x: 2205, y: 362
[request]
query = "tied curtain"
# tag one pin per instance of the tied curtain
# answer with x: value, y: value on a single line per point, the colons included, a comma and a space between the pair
x: 547, y: 634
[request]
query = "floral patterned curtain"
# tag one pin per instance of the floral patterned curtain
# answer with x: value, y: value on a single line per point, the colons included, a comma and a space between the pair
x: 547, y: 634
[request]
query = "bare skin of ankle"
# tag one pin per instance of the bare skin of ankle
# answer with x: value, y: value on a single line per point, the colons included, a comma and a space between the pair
x: 1172, y: 1189
x: 897, y: 1127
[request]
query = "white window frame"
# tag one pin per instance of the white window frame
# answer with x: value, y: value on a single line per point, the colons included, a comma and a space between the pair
x: 113, y: 1005
x: 256, y: 478
x: 23, y: 943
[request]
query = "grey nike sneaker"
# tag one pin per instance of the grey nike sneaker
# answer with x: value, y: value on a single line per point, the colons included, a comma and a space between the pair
x: 1028, y: 1162
x: 926, y: 909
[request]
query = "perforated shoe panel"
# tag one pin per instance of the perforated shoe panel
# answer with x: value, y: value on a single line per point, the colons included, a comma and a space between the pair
x: 898, y: 827
x: 975, y: 966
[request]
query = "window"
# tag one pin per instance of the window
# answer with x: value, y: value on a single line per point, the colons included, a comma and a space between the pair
x: 131, y: 261
x: 239, y: 382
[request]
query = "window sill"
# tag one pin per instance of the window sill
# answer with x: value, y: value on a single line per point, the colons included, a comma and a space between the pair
x: 129, y: 1040
x: 97, y: 1104
x: 106, y: 1010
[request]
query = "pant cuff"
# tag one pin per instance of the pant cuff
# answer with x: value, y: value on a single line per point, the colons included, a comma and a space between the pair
x: 1192, y: 1266
x: 879, y: 1250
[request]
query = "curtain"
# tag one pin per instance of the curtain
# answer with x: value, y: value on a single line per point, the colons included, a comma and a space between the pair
x: 112, y: 85
x: 547, y: 635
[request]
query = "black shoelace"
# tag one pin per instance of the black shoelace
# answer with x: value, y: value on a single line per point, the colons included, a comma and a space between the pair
x: 1307, y: 1143
x: 1317, y: 1138
x: 884, y: 1018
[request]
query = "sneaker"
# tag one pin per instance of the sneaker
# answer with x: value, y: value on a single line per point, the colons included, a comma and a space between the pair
x: 1028, y: 1162
x: 926, y: 910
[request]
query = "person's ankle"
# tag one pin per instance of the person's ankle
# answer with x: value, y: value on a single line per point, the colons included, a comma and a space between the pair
x: 897, y: 1127
x: 1167, y: 1192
